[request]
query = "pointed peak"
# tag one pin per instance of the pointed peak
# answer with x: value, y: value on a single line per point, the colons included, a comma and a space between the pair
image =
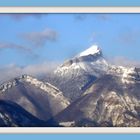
x: 94, y: 49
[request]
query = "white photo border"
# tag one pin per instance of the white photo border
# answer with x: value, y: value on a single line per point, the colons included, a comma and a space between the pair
x: 69, y: 130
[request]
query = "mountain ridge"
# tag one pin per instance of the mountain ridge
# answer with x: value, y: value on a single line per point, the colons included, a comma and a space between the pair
x: 41, y: 99
x: 81, y: 71
x: 84, y: 91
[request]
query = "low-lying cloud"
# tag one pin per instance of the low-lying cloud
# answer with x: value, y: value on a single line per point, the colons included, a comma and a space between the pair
x: 11, y: 71
x: 123, y: 61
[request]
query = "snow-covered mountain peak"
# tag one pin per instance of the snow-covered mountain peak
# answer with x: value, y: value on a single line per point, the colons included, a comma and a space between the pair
x: 94, y: 49
x: 89, y: 61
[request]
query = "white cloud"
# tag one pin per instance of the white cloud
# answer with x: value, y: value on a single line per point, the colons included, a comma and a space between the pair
x: 22, y: 49
x: 123, y: 61
x: 40, y: 38
x: 11, y: 71
x: 39, y: 69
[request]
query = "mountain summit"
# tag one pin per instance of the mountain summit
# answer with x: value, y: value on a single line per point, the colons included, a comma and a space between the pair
x: 93, y: 50
x: 90, y: 61
x: 79, y: 72
x: 75, y: 75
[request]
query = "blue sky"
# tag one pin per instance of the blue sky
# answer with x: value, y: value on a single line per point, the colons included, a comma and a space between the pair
x: 28, y: 39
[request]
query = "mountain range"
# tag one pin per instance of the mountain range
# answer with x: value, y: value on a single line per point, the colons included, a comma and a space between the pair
x: 85, y: 91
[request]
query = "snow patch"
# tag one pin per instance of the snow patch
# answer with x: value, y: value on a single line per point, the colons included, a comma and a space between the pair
x: 94, y: 49
x: 67, y: 124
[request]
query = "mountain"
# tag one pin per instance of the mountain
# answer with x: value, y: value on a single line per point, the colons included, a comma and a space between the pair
x: 78, y: 73
x: 40, y: 99
x: 108, y: 102
x: 85, y: 91
x: 111, y: 98
x: 13, y: 115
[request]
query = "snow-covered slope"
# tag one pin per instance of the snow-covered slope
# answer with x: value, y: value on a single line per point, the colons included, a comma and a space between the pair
x: 90, y: 61
x: 108, y: 102
x: 41, y: 99
x: 127, y: 74
x: 110, y: 96
x: 91, y: 51
x: 52, y: 90
x: 76, y: 74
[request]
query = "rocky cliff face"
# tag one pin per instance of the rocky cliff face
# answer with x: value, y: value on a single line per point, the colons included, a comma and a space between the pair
x: 42, y: 100
x: 108, y: 102
x: 111, y: 98
x: 77, y: 74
